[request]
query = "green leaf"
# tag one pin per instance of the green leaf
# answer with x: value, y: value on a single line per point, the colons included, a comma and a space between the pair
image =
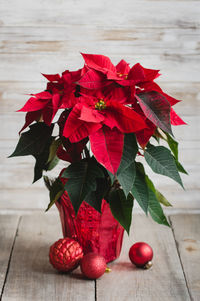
x: 52, y: 163
x: 36, y: 142
x: 94, y: 198
x: 82, y: 180
x: 173, y: 145
x: 121, y: 208
x: 40, y: 163
x: 155, y: 210
x: 112, y: 177
x: 33, y: 141
x: 56, y: 189
x: 140, y: 189
x: 180, y: 167
x: 126, y: 171
x: 160, y: 197
x: 162, y: 162
x: 174, y: 148
x: 129, y: 152
x: 53, y: 149
x: 127, y: 177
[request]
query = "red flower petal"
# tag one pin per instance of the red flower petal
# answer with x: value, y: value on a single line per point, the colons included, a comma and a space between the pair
x: 151, y: 86
x: 175, y: 119
x: 51, y: 109
x: 91, y: 115
x: 63, y: 155
x: 124, y: 118
x: 137, y: 73
x: 118, y: 94
x: 43, y: 95
x: 144, y: 135
x: 99, y: 62
x: 30, y: 117
x: 123, y: 67
x: 150, y: 74
x: 52, y: 77
x: 34, y: 104
x: 93, y: 80
x: 69, y: 101
x: 107, y: 147
x: 76, y: 129
x: 47, y: 114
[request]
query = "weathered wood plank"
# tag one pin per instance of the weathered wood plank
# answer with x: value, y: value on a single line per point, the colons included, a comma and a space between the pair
x: 103, y: 13
x: 27, y: 67
x: 187, y: 236
x: 165, y: 281
x: 31, y: 277
x: 127, y: 41
x: 8, y: 229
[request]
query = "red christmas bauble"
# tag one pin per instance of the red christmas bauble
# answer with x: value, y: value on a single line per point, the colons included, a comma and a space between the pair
x: 93, y: 265
x: 65, y: 254
x: 140, y: 254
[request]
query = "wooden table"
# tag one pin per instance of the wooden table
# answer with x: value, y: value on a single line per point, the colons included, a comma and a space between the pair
x: 26, y: 274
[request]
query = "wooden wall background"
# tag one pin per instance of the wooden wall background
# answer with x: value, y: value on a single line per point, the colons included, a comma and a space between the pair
x: 46, y: 36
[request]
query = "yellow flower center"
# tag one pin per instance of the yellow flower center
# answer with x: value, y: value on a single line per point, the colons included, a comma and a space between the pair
x: 100, y: 105
x: 122, y: 75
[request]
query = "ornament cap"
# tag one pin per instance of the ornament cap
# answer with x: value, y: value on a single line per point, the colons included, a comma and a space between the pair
x: 148, y: 265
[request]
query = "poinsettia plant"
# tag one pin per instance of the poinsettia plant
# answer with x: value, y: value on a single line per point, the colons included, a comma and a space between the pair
x: 112, y: 118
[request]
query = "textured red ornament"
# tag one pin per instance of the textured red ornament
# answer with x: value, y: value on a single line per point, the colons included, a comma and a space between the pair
x: 65, y: 254
x: 140, y: 254
x: 93, y: 265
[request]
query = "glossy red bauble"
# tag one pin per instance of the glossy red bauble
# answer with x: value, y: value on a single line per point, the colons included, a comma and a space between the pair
x: 65, y: 254
x: 93, y: 265
x: 140, y: 254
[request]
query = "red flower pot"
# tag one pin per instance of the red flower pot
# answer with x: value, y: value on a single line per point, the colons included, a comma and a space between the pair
x: 99, y: 233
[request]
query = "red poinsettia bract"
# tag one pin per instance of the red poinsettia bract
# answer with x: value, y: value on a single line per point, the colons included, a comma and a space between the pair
x: 99, y: 116
x: 103, y: 102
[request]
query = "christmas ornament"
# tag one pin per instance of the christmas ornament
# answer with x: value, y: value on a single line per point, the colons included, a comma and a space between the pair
x: 93, y: 265
x: 141, y: 255
x: 65, y: 254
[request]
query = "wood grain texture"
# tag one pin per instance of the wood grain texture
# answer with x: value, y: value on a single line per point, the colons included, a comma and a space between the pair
x: 31, y: 277
x: 50, y: 40
x: 187, y: 236
x: 165, y: 281
x: 47, y: 36
x: 8, y: 229
x: 139, y: 13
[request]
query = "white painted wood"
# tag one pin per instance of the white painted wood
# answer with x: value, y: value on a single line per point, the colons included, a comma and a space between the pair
x: 164, y: 281
x: 128, y: 41
x: 31, y: 277
x: 137, y: 13
x: 187, y: 236
x: 8, y: 229
x: 46, y: 36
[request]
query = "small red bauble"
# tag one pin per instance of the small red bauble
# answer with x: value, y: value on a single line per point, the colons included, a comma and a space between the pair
x: 65, y: 254
x: 141, y: 254
x: 93, y: 265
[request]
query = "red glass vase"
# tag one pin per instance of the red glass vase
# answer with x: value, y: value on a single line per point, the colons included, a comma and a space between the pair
x: 99, y: 233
